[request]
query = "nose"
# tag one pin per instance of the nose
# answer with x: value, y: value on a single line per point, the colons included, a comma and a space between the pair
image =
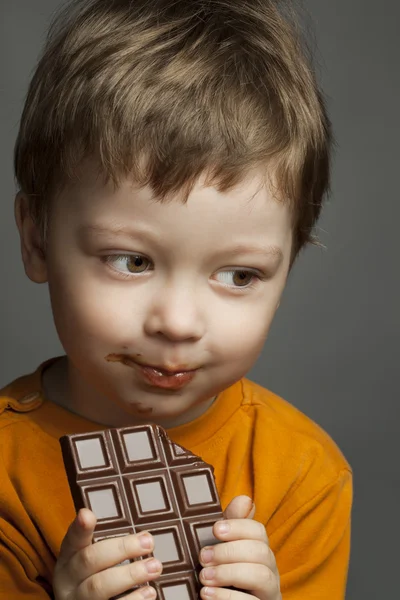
x: 175, y: 313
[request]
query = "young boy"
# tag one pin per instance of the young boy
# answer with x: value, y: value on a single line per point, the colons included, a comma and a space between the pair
x: 172, y: 160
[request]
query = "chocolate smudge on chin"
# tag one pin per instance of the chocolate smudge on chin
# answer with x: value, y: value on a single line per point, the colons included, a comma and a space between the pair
x: 143, y: 410
x: 140, y: 408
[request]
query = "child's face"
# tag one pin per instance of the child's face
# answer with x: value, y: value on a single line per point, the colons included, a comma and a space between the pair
x: 173, y: 292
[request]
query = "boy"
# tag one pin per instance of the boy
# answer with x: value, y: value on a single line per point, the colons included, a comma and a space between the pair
x: 172, y: 160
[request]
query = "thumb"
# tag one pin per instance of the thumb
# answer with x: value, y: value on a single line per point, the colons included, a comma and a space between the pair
x: 241, y: 507
x: 79, y: 534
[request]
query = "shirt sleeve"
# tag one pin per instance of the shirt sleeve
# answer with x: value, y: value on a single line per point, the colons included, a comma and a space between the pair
x: 312, y: 546
x: 23, y: 572
x: 15, y: 581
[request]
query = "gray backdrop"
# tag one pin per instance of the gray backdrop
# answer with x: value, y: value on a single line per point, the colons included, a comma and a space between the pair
x: 334, y: 346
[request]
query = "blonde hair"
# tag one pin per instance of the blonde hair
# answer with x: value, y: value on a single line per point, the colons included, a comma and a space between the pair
x: 166, y: 90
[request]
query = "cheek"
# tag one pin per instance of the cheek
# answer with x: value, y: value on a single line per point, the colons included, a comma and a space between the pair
x: 83, y: 311
x: 241, y: 333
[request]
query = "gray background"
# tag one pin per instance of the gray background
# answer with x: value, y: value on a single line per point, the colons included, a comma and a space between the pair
x: 334, y: 347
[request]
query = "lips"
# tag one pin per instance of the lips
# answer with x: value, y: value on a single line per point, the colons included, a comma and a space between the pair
x: 155, y: 378
x: 166, y: 369
x: 172, y: 377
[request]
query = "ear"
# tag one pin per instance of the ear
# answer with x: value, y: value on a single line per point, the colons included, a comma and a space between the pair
x: 32, y: 252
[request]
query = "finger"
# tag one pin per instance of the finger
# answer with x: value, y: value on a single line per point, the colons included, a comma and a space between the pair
x: 145, y: 592
x: 79, y: 534
x: 252, y: 577
x: 215, y: 593
x: 243, y: 551
x: 240, y: 507
x: 117, y: 580
x: 108, y: 553
x: 240, y: 529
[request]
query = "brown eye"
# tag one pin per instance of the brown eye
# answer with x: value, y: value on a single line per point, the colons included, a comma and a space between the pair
x: 136, y: 264
x: 239, y: 278
x: 242, y: 278
x: 128, y: 264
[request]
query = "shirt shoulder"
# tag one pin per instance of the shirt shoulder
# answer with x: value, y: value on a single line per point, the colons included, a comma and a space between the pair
x: 294, y: 460
x: 283, y: 420
x: 18, y: 397
x: 32, y: 478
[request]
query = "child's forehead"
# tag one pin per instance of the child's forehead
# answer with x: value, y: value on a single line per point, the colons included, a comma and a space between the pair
x: 245, y: 216
x: 91, y: 182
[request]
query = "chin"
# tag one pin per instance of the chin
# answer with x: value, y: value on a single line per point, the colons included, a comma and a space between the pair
x: 152, y: 413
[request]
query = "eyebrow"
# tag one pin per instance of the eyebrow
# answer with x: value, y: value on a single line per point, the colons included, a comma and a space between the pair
x: 237, y: 250
x: 272, y: 250
x: 112, y: 230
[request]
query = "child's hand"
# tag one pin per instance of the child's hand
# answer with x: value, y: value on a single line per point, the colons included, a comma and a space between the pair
x: 86, y: 571
x: 244, y: 561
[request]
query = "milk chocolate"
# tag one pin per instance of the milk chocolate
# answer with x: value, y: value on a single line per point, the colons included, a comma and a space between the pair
x: 136, y: 479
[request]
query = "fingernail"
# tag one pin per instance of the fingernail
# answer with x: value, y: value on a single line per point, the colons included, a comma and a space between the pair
x: 207, y: 554
x: 252, y: 509
x: 81, y: 519
x: 208, y: 574
x: 153, y: 566
x: 222, y: 527
x: 208, y: 592
x: 145, y: 541
x: 148, y: 592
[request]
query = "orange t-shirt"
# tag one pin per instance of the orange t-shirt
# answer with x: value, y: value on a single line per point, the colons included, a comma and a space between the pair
x: 259, y: 445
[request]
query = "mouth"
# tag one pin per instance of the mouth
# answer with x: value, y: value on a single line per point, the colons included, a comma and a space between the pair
x: 161, y: 369
x: 161, y: 376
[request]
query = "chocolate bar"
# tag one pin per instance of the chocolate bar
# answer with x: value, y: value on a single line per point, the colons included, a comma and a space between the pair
x: 136, y: 479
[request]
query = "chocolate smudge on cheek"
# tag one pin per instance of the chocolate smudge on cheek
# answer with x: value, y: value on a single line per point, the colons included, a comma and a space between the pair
x: 122, y: 358
x: 113, y: 357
